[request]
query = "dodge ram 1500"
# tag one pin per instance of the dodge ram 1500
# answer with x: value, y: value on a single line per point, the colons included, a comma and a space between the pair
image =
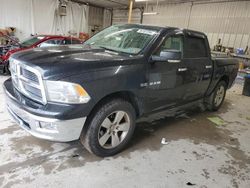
x: 95, y: 92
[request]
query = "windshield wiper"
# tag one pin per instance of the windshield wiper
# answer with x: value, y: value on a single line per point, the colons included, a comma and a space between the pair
x: 105, y: 48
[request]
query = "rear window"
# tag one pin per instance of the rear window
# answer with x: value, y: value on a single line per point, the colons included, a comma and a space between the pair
x: 195, y: 48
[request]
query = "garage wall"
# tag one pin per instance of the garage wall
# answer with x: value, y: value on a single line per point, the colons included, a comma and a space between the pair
x: 107, y: 18
x: 229, y: 21
x: 39, y: 17
x: 95, y: 19
x: 99, y: 18
x: 120, y: 16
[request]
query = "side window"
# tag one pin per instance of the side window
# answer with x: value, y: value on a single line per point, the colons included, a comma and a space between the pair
x: 66, y: 41
x: 52, y: 42
x: 76, y: 42
x: 195, y: 48
x: 69, y: 41
x: 171, y: 43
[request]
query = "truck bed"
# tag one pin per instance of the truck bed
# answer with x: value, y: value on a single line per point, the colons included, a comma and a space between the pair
x: 224, y: 61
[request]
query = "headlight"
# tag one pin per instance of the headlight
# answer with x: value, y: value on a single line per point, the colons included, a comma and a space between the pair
x: 66, y: 92
x: 13, y: 65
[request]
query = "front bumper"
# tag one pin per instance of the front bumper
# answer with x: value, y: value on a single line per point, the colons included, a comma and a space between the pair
x: 44, y: 127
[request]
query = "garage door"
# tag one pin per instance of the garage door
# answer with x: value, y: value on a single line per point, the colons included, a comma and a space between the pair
x: 121, y: 16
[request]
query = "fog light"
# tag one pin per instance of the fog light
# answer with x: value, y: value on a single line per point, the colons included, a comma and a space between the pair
x: 47, y: 125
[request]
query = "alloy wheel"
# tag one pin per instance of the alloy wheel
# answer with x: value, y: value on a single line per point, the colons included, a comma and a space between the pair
x: 114, y: 129
x: 219, y: 96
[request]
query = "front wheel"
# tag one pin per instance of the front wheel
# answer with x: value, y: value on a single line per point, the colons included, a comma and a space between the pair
x: 6, y: 69
x: 216, y: 99
x: 110, y: 128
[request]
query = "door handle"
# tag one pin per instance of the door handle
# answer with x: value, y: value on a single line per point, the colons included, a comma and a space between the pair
x: 174, y: 61
x: 208, y: 66
x: 182, y: 69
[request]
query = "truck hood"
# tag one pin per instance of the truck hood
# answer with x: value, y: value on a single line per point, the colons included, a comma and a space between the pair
x: 63, y: 61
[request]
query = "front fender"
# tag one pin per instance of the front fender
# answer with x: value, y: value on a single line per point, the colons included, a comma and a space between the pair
x: 104, y: 82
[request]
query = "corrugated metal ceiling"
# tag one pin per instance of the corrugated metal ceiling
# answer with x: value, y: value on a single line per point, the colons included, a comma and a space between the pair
x: 106, y: 3
x: 124, y: 3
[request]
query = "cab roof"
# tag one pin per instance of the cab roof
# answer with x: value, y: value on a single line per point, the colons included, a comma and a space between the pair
x: 162, y: 28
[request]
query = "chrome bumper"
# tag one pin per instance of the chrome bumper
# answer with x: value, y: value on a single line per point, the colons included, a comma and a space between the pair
x: 46, y: 128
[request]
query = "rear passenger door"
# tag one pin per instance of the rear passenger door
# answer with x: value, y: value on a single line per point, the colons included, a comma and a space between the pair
x: 199, y: 66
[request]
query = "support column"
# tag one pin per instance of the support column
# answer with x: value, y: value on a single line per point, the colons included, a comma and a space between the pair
x: 130, y: 10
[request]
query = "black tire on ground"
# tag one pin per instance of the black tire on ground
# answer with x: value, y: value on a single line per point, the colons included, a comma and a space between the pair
x: 216, y: 99
x: 95, y: 131
x: 6, y: 67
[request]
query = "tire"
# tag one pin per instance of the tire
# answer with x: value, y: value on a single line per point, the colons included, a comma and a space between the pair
x: 216, y: 99
x: 6, y: 70
x: 109, y: 128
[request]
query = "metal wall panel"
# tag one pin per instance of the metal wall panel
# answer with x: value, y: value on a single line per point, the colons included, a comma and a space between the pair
x: 96, y: 16
x: 229, y: 21
x: 95, y: 19
x: 169, y: 15
x: 120, y: 16
x: 107, y: 18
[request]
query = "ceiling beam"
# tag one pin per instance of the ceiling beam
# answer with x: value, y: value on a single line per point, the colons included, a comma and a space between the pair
x: 113, y: 1
x: 85, y: 3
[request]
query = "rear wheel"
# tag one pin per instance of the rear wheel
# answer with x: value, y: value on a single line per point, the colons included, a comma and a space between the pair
x: 216, y: 99
x: 110, y: 128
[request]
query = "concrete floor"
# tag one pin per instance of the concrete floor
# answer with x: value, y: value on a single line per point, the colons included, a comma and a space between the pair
x: 199, y: 152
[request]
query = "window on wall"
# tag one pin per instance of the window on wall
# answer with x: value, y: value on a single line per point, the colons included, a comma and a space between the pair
x: 195, y: 48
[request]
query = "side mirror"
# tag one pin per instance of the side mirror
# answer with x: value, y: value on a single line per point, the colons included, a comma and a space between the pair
x: 172, y: 56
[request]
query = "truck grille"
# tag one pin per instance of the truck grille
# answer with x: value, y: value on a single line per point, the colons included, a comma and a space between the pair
x: 29, y: 75
x: 28, y: 81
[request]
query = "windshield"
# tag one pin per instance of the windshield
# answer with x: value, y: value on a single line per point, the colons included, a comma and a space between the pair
x: 31, y: 41
x: 125, y: 39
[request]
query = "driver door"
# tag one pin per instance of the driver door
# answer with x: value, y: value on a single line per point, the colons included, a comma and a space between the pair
x: 166, y: 77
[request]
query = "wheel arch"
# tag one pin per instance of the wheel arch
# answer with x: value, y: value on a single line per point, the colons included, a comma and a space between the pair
x: 126, y: 95
x: 225, y: 78
x: 89, y: 135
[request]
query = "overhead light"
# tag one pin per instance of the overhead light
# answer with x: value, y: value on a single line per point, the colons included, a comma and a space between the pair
x: 150, y: 13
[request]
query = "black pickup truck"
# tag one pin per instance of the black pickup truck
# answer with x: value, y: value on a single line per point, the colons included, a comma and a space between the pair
x: 95, y: 92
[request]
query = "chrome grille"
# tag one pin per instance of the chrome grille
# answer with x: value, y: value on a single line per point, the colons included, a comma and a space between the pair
x: 28, y: 81
x: 29, y: 75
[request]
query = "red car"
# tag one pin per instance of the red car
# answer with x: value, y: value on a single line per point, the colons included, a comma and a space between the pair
x: 33, y: 42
